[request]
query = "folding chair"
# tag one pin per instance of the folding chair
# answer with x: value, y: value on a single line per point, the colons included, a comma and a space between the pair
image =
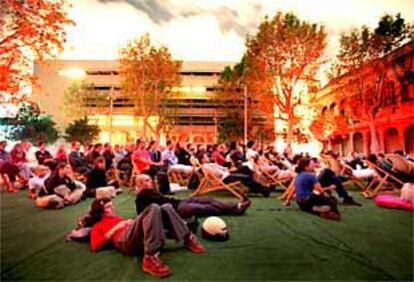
x: 135, y: 172
x: 289, y: 193
x: 210, y: 183
x: 383, y: 177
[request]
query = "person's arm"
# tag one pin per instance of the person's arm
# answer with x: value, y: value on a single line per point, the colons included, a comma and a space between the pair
x: 318, y: 188
x: 100, y: 239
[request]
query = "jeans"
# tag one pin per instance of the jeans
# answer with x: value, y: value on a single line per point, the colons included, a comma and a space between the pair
x: 205, y: 206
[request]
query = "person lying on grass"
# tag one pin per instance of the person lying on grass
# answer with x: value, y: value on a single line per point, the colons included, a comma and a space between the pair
x: 203, y: 206
x: 309, y: 194
x: 143, y: 235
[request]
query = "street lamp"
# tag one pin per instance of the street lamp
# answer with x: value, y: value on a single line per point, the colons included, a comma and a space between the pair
x: 245, y: 114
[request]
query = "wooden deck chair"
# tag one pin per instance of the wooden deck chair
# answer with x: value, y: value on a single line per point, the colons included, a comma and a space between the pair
x: 211, y: 182
x: 343, y: 169
x: 289, y: 193
x: 134, y: 173
x: 383, y: 177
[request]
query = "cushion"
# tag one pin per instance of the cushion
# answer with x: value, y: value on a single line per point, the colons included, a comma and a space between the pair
x: 391, y: 201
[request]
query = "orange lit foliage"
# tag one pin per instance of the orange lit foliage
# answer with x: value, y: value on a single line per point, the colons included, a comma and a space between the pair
x: 362, y: 69
x: 29, y: 29
x: 147, y: 75
x: 285, y: 53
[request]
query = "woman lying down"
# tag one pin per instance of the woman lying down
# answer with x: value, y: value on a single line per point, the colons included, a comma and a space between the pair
x: 145, y: 234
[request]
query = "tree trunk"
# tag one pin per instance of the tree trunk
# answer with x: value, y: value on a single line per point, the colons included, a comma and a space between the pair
x: 374, y: 137
x: 289, y: 136
x: 145, y: 121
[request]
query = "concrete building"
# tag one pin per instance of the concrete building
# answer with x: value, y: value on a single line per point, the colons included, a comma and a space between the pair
x: 395, y: 120
x: 197, y: 112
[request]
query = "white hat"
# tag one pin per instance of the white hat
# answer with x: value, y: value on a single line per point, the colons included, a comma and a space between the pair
x: 214, y: 228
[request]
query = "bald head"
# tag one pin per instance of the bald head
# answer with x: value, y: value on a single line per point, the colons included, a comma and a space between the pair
x: 144, y: 182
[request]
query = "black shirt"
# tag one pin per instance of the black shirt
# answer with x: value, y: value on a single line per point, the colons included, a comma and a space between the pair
x: 53, y: 181
x: 183, y: 157
x: 42, y: 156
x: 96, y: 179
x: 147, y: 197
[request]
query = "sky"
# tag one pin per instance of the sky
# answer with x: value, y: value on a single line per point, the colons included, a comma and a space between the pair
x: 208, y: 30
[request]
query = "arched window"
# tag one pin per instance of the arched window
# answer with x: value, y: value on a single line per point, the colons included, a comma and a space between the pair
x: 358, y: 141
x: 409, y: 139
x: 391, y: 140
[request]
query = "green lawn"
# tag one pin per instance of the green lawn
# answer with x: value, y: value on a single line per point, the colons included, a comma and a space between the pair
x: 269, y: 242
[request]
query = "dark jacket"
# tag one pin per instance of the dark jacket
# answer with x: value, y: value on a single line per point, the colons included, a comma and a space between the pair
x: 147, y: 197
x: 54, y: 181
x: 96, y: 178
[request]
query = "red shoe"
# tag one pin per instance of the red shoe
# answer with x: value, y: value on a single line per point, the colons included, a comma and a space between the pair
x: 193, y: 245
x: 154, y: 266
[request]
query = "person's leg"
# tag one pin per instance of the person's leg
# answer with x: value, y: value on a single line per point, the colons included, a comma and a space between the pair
x: 328, y: 177
x: 75, y: 196
x: 163, y: 182
x: 191, y: 207
x: 174, y: 223
x: 247, y: 181
x: 146, y: 234
x: 51, y: 201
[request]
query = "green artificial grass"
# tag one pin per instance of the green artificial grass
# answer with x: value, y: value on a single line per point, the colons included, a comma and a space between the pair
x: 269, y: 242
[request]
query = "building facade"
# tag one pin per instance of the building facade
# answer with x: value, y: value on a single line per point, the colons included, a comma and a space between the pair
x: 197, y: 110
x: 394, y: 122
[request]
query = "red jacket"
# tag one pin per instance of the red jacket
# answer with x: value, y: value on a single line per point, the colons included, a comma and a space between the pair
x: 99, y: 230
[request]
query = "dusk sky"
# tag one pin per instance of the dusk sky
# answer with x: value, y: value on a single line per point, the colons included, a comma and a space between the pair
x: 209, y: 29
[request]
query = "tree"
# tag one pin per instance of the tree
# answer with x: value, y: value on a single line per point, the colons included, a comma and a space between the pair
x: 230, y: 97
x: 361, y: 69
x: 77, y: 97
x: 283, y: 58
x: 31, y: 125
x: 29, y: 30
x: 80, y: 130
x: 147, y: 75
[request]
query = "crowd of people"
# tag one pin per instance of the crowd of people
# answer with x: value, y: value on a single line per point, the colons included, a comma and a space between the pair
x: 100, y: 171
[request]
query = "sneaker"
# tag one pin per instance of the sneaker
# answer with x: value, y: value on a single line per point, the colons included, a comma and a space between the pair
x: 331, y: 215
x: 242, y: 206
x: 266, y: 193
x: 153, y: 265
x: 321, y: 209
x: 350, y: 202
x: 193, y: 245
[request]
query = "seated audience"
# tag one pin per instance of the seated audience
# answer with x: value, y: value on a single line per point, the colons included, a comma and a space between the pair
x: 13, y: 178
x: 4, y: 155
x: 18, y: 158
x: 197, y: 206
x: 108, y: 155
x: 144, y: 165
x: 306, y: 185
x: 96, y: 152
x: 97, y: 178
x: 229, y: 177
x: 77, y: 160
x: 43, y: 155
x: 61, y: 155
x: 168, y: 157
x: 61, y: 184
x: 143, y: 235
x: 327, y: 178
x: 37, y: 182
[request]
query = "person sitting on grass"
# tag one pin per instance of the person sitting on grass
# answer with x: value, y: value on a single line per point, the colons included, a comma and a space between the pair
x: 309, y: 194
x: 143, y: 235
x: 13, y: 178
x: 97, y: 178
x: 37, y: 182
x: 60, y: 183
x: 43, y: 155
x: 77, y: 160
x: 328, y: 178
x: 186, y: 208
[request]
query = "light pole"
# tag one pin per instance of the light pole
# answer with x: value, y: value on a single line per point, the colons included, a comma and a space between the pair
x: 245, y: 114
